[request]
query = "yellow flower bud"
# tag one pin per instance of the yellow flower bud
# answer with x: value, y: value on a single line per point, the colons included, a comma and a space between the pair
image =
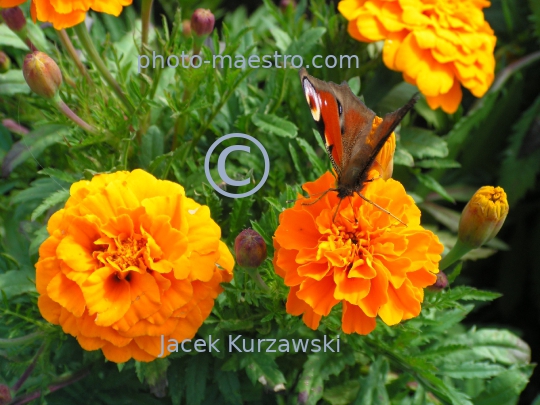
x: 483, y: 216
x: 5, y: 62
x: 42, y: 74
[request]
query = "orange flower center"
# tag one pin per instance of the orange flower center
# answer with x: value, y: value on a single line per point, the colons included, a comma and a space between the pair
x: 128, y: 252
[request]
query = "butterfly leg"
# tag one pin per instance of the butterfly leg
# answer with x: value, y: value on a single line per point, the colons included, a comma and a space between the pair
x: 354, y: 213
x: 381, y: 208
x: 318, y: 198
x: 337, y: 209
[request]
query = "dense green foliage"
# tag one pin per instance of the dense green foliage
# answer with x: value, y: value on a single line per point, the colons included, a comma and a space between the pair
x: 441, y: 159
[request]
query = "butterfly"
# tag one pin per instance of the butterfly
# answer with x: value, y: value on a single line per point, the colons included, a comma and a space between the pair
x: 345, y: 124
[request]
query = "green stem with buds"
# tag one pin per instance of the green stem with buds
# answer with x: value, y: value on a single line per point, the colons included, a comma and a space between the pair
x: 457, y: 252
x: 68, y: 112
x: 93, y: 55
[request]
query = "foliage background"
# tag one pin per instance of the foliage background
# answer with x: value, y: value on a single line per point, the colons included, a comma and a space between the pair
x: 496, y: 140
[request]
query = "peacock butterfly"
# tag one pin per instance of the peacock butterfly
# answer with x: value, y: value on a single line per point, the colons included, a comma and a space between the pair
x: 345, y: 124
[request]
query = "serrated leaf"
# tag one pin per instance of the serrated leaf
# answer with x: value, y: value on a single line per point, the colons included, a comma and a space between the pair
x: 422, y: 143
x: 273, y: 124
x: 240, y: 215
x: 372, y: 388
x: 318, y: 164
x: 283, y: 40
x: 32, y: 145
x: 296, y: 163
x: 55, y: 198
x: 195, y: 380
x: 151, y: 146
x: 506, y: 387
x: 229, y: 386
x: 434, y: 185
x: 497, y: 346
x: 471, y: 370
x: 354, y: 84
x: 438, y: 164
x: 262, y: 368
x: 403, y: 158
x: 15, y: 282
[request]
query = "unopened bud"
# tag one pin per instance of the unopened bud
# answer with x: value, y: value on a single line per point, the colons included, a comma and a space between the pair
x: 186, y: 28
x: 42, y: 74
x: 250, y: 249
x: 483, y: 216
x: 5, y: 394
x: 202, y: 22
x: 284, y: 4
x: 5, y: 62
x: 14, y: 18
x: 441, y: 283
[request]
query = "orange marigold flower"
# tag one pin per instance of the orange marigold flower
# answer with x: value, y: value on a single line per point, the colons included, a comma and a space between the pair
x: 130, y: 258
x: 437, y: 44
x: 67, y: 13
x: 364, y: 259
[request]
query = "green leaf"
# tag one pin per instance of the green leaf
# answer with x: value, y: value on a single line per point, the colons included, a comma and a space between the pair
x: 151, y: 146
x: 9, y: 38
x: 239, y: 215
x: 471, y: 370
x: 403, y: 158
x: 12, y: 82
x: 506, y: 387
x: 262, y: 368
x: 15, y: 282
x: 32, y: 145
x: 434, y: 185
x: 195, y: 380
x: 38, y: 190
x: 319, y: 164
x: 296, y: 162
x: 229, y: 386
x: 275, y: 125
x: 55, y: 198
x: 354, y: 84
x: 495, y: 345
x: 343, y: 394
x: 372, y: 388
x: 438, y: 164
x: 422, y: 143
x: 176, y: 375
x: 283, y: 40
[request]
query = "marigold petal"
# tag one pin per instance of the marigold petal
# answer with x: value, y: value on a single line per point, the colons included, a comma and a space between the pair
x: 350, y: 289
x: 50, y: 310
x: 315, y: 294
x: 67, y: 293
x: 355, y: 320
x: 449, y: 102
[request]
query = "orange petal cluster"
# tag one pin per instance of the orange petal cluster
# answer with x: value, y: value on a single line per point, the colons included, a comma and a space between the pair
x: 130, y: 258
x: 364, y: 259
x: 437, y: 44
x: 67, y: 13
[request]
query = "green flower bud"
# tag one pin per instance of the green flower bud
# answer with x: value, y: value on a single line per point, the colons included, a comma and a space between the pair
x: 250, y: 249
x: 42, y: 74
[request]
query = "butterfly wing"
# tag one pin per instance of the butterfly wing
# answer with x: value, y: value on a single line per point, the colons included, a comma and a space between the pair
x: 364, y: 154
x: 343, y: 119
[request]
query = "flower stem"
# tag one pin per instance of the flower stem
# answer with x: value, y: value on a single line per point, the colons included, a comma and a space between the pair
x: 60, y: 383
x: 68, y: 112
x: 87, y: 44
x: 20, y: 341
x: 68, y: 45
x: 457, y: 252
x: 28, y: 371
x: 146, y: 12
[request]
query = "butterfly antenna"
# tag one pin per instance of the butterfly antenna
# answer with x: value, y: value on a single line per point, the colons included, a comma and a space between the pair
x: 354, y: 213
x: 381, y: 208
x: 337, y: 209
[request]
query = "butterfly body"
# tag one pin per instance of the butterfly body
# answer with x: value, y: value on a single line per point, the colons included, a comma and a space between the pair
x: 346, y: 127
